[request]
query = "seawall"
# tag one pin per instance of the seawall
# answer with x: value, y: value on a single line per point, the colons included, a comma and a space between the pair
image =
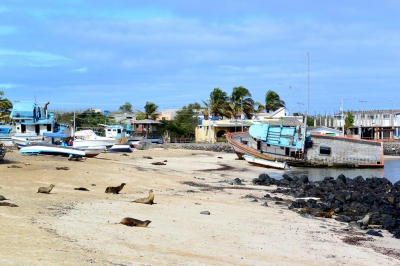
x: 389, y: 148
x: 216, y: 147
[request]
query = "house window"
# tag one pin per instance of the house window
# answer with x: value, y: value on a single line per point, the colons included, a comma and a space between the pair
x: 324, y: 150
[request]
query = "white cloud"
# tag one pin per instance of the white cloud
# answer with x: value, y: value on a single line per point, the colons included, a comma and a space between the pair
x: 34, y: 58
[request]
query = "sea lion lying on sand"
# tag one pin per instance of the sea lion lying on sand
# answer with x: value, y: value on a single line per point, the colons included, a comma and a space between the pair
x: 46, y: 189
x: 115, y: 190
x: 134, y: 222
x: 81, y: 188
x: 159, y: 163
x: 8, y: 204
x: 148, y: 200
x: 317, y: 213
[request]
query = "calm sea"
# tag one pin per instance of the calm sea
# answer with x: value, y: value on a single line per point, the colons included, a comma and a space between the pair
x: 391, y: 171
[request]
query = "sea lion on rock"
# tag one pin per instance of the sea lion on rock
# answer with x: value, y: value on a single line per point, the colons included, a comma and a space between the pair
x: 148, y: 200
x: 81, y: 188
x: 134, y: 222
x: 46, y: 189
x: 115, y: 190
x: 317, y: 213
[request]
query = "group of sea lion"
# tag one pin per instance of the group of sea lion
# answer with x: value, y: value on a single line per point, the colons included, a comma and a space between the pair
x: 128, y: 221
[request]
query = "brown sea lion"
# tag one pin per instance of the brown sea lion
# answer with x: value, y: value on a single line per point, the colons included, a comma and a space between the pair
x: 317, y: 213
x: 8, y: 204
x: 159, y: 163
x: 115, y: 190
x: 46, y: 189
x: 148, y: 200
x: 81, y: 188
x: 134, y: 222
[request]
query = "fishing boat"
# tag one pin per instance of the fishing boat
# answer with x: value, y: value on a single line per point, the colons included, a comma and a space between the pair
x: 265, y: 163
x: 87, y: 138
x: 292, y: 144
x: 51, y: 150
x: 31, y: 120
x: 120, y: 148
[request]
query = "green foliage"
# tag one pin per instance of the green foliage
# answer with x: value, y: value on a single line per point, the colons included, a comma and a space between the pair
x: 184, y: 123
x: 90, y: 118
x: 5, y: 108
x: 217, y: 103
x: 150, y: 112
x: 126, y: 108
x: 240, y: 100
x: 273, y: 102
x: 348, y: 121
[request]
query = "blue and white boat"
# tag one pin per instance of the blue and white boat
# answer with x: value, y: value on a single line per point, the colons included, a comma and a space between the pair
x: 51, y: 150
x: 31, y: 120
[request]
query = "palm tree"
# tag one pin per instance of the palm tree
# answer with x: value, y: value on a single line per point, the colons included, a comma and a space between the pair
x: 150, y: 111
x: 217, y: 102
x: 240, y: 101
x: 273, y: 102
x: 5, y: 108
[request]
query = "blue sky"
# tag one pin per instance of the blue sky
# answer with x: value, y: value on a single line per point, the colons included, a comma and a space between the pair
x: 103, y: 53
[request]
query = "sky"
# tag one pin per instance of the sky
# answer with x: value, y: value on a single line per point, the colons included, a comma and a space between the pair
x: 317, y: 55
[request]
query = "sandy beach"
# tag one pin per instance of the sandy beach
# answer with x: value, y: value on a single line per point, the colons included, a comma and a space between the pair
x: 73, y: 227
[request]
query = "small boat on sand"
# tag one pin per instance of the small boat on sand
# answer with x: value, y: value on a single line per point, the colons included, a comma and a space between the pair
x: 51, y: 150
x: 265, y: 163
x: 120, y: 148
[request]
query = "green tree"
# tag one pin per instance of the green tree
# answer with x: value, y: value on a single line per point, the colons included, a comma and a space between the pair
x: 272, y: 101
x: 150, y: 112
x: 5, y: 108
x: 126, y: 108
x: 240, y: 101
x: 217, y: 103
x: 90, y: 118
x: 348, y: 121
x: 184, y: 123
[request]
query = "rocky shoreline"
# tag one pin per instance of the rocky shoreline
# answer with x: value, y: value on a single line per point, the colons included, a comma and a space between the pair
x: 365, y: 203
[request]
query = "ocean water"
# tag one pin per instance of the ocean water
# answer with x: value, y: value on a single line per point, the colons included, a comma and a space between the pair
x: 391, y: 171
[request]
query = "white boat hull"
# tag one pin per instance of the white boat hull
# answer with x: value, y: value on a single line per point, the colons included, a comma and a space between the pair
x: 265, y: 163
x: 51, y: 150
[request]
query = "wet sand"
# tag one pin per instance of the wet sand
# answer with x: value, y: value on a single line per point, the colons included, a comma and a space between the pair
x: 72, y: 227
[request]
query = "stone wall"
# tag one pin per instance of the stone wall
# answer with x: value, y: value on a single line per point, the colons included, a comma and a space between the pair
x: 217, y: 147
x: 391, y: 148
x: 225, y: 147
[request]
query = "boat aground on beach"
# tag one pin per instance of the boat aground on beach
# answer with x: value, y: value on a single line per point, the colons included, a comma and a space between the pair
x: 265, y: 163
x: 293, y: 145
x: 51, y: 150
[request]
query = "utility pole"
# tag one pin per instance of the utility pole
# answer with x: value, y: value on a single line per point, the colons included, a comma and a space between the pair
x: 391, y: 113
x: 362, y: 115
x: 308, y: 77
x: 299, y: 106
x: 209, y: 119
x: 343, y: 122
x: 241, y: 115
x: 290, y: 96
x: 73, y: 130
